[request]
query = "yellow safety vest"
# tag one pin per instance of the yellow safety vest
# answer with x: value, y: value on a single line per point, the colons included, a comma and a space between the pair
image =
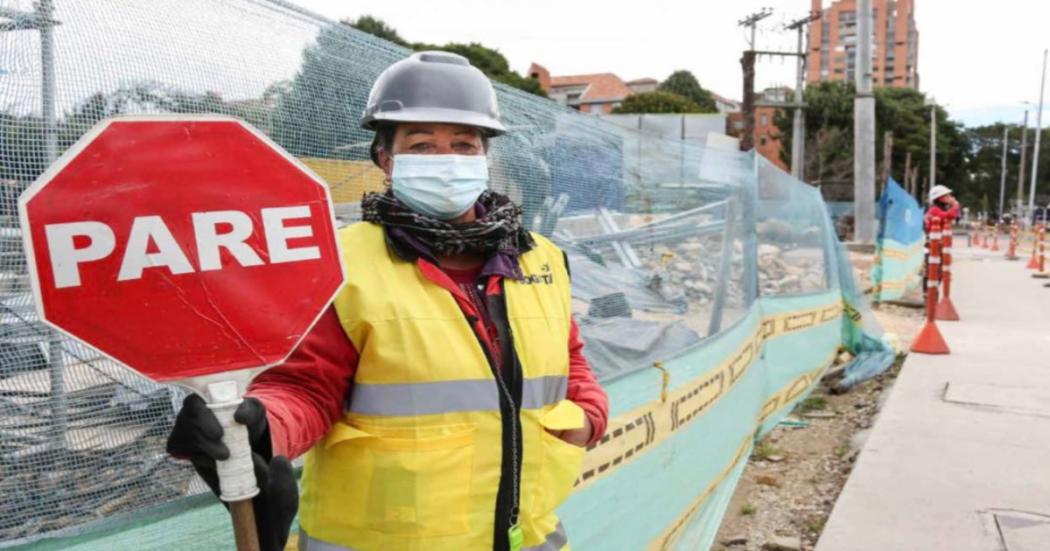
x: 415, y: 463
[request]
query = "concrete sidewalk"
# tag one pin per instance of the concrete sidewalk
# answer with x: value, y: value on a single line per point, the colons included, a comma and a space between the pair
x: 959, y: 458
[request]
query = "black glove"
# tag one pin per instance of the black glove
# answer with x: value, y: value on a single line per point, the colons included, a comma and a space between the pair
x: 197, y: 436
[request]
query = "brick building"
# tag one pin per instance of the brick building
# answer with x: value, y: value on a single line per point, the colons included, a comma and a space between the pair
x: 595, y: 93
x: 766, y: 135
x: 833, y: 43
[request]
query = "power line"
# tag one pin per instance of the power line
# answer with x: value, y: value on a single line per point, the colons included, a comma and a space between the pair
x: 752, y: 20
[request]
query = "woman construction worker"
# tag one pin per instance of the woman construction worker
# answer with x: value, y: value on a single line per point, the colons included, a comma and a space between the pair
x: 443, y: 401
x: 943, y: 207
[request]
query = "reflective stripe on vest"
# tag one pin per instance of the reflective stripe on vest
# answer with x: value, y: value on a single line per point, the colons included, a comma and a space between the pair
x: 451, y: 396
x: 416, y: 463
x: 554, y: 542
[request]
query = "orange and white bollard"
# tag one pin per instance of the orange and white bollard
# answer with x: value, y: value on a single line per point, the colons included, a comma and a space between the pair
x: 1011, y: 253
x: 1037, y: 237
x: 995, y: 237
x: 1033, y: 263
x: 945, y: 310
x: 930, y: 340
x: 1041, y: 272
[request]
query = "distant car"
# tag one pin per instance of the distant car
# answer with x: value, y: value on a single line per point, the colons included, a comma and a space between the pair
x: 1039, y: 215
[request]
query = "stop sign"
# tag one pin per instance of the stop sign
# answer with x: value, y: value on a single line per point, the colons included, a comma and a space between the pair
x: 181, y: 247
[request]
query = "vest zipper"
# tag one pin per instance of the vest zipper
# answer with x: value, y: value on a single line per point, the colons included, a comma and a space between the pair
x: 510, y: 424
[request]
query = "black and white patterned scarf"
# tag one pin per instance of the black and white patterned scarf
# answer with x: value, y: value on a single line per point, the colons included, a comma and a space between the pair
x: 497, y: 230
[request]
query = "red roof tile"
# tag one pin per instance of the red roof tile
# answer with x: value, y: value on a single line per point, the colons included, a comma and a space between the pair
x: 600, y: 86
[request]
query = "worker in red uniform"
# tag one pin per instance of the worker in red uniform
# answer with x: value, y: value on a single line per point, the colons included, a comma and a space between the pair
x: 943, y: 207
x: 443, y: 402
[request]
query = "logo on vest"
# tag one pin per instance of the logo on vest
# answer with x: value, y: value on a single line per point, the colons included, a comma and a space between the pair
x: 545, y: 278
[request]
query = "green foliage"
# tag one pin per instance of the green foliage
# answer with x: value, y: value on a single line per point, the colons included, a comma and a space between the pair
x: 764, y: 451
x: 685, y: 84
x: 829, y: 134
x: 22, y: 138
x: 813, y: 403
x: 748, y: 510
x: 658, y: 102
x: 490, y: 61
x: 984, y: 165
x: 317, y: 112
x: 377, y: 27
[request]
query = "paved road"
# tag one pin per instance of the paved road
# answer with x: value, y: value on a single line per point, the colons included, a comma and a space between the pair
x: 959, y: 458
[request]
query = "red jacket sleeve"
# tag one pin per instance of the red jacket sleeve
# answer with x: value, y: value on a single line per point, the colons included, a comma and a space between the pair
x: 953, y: 212
x: 584, y: 389
x: 305, y: 395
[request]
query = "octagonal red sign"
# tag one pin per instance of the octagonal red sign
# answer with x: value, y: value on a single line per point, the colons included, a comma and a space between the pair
x: 181, y: 246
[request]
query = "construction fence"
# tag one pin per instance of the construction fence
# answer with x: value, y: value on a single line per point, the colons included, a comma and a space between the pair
x: 710, y: 288
x: 899, y: 253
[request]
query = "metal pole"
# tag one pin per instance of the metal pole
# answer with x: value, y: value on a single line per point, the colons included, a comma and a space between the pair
x: 747, y: 139
x: 1020, y: 170
x: 45, y: 10
x: 864, y: 132
x: 798, y: 131
x: 933, y: 146
x: 1002, y: 180
x: 1038, y: 135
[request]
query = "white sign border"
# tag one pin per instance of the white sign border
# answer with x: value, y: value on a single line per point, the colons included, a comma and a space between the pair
x: 197, y: 384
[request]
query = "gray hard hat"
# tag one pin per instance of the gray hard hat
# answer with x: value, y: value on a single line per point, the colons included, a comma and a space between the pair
x: 433, y: 87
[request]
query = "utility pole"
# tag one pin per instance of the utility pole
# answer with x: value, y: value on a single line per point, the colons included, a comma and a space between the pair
x: 747, y: 63
x: 887, y: 161
x: 1002, y: 179
x: 1020, y: 170
x: 752, y: 20
x: 933, y: 141
x: 798, y: 131
x: 1035, y: 152
x: 864, y: 133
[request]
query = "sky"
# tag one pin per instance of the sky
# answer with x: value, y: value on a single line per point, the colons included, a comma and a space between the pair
x: 979, y: 60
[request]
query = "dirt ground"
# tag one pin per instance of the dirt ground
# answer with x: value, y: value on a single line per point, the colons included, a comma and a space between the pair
x: 796, y: 472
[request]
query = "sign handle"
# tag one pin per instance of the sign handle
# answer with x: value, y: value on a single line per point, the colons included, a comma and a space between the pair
x: 237, y: 484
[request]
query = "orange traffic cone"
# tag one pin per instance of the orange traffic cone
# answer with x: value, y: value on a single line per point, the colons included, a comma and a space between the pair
x: 929, y: 339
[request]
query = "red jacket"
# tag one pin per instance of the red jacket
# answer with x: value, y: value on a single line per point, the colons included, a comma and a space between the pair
x: 307, y: 393
x: 945, y: 216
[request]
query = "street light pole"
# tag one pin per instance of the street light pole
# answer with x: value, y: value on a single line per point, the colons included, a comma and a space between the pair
x: 1002, y: 180
x: 1038, y: 135
x: 1020, y: 170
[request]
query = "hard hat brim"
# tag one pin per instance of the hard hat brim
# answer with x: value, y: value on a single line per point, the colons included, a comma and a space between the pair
x: 489, y: 125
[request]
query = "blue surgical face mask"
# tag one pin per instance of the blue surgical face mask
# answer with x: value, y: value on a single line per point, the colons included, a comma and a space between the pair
x: 439, y: 186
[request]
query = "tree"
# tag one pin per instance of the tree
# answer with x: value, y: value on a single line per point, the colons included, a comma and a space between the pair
x: 984, y: 166
x: 489, y: 61
x: 317, y: 113
x: 658, y: 102
x: 829, y: 132
x: 685, y: 84
x: 377, y: 27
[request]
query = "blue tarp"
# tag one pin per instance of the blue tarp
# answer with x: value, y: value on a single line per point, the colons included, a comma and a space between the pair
x: 899, y: 255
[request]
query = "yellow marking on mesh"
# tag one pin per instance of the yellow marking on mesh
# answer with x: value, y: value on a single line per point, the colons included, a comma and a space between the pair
x: 631, y: 434
x: 665, y: 380
x: 780, y: 400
